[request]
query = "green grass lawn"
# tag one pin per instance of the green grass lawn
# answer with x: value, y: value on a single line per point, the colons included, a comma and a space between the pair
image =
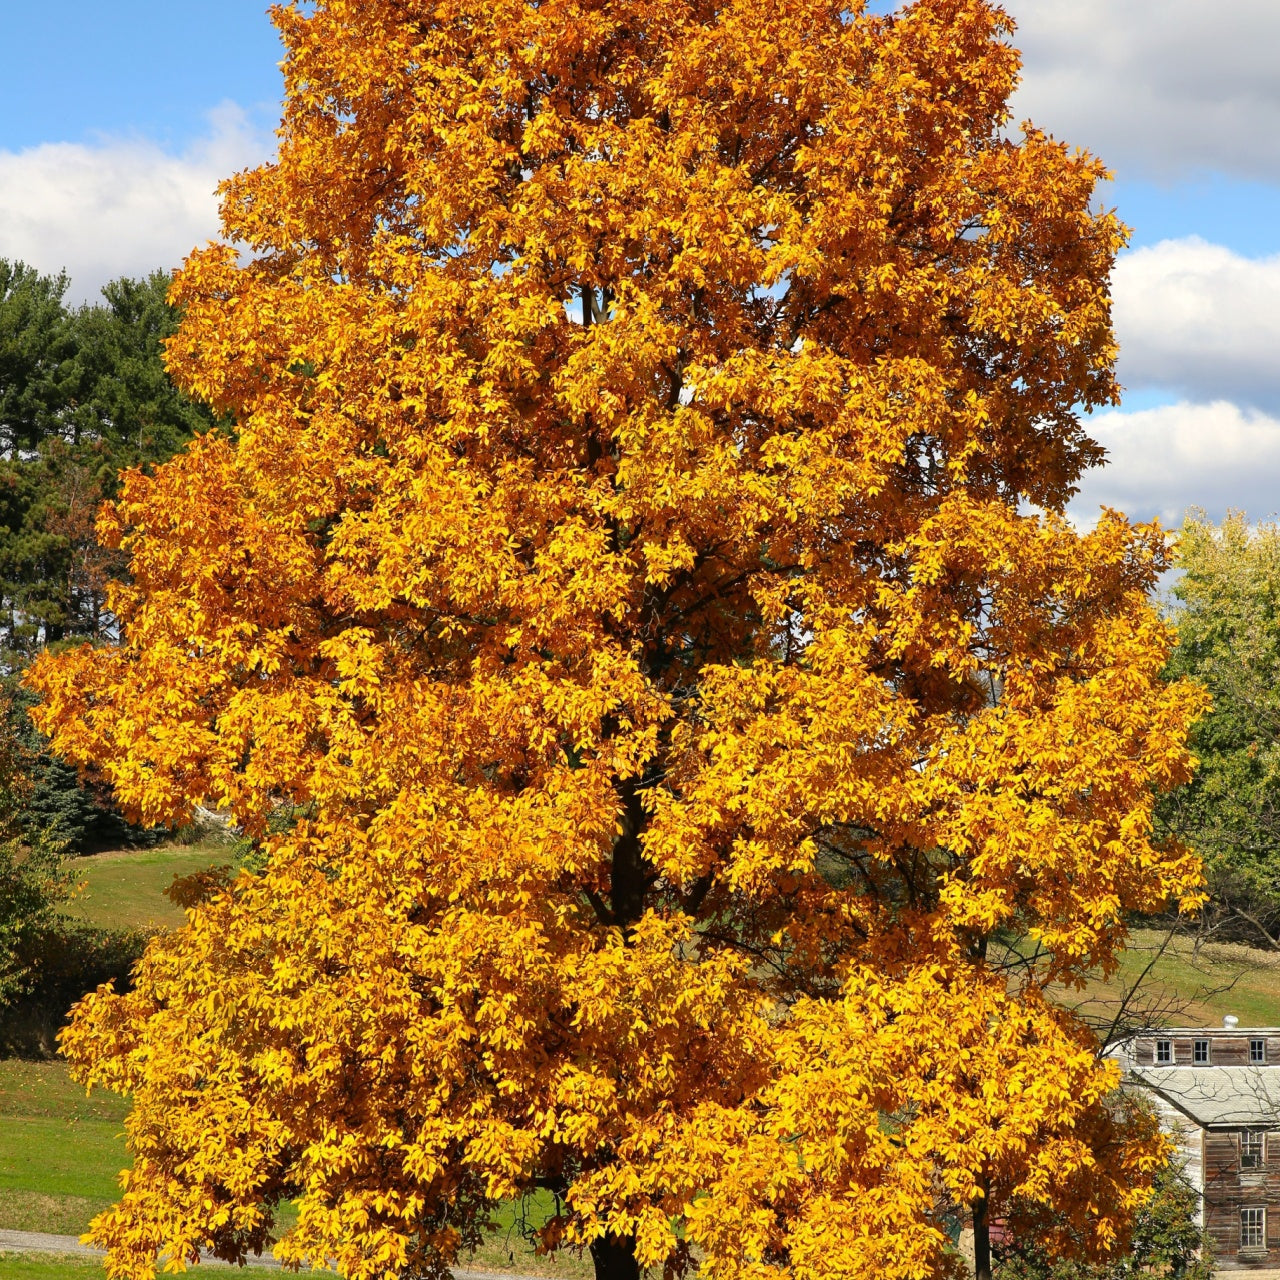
x: 126, y: 889
x: 60, y: 1152
x: 49, y: 1266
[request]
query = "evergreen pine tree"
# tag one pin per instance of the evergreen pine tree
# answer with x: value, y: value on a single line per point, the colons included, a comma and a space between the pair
x: 83, y: 395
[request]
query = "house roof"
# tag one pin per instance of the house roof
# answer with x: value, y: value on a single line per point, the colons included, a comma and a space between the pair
x: 1217, y: 1097
x: 1164, y: 1033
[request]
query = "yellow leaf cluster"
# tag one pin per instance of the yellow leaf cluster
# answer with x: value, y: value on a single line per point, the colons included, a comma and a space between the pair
x: 638, y: 570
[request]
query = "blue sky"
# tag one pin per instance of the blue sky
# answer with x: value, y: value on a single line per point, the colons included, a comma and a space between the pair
x: 138, y: 68
x: 1240, y: 213
x: 117, y: 120
x: 88, y: 69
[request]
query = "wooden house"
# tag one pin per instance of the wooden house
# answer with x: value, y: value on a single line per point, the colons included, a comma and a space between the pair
x: 1217, y: 1090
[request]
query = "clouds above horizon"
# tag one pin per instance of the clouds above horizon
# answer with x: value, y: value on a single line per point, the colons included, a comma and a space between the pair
x: 1166, y: 460
x: 1165, y: 92
x: 1199, y: 321
x: 1171, y: 94
x: 121, y: 206
x: 1200, y: 324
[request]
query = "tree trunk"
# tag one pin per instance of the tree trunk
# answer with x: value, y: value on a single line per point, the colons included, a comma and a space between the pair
x: 981, y: 1241
x: 615, y: 1259
x: 627, y: 881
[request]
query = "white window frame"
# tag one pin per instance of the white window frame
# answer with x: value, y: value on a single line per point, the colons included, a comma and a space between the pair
x: 1199, y: 1047
x: 1163, y: 1047
x: 1254, y: 1141
x: 1259, y: 1043
x: 1258, y: 1225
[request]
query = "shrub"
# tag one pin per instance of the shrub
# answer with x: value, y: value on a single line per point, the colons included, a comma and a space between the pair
x: 1166, y: 1242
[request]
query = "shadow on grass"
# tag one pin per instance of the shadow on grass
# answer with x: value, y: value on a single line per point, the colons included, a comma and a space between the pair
x: 60, y: 964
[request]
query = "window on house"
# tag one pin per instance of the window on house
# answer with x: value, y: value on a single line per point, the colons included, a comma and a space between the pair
x: 1164, y: 1050
x: 1251, y: 1149
x: 1253, y: 1228
x: 1257, y: 1049
x: 1200, y: 1051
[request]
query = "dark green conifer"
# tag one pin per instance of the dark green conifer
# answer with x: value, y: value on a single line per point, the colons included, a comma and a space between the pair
x: 83, y: 395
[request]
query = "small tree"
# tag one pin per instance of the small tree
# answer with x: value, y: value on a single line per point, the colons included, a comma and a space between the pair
x: 1167, y: 1242
x: 33, y: 880
x: 1227, y: 611
x: 639, y: 564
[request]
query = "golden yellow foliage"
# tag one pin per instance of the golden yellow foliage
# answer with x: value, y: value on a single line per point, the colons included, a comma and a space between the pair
x: 639, y: 566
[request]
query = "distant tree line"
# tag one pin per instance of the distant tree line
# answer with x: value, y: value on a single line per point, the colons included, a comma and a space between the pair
x: 83, y: 396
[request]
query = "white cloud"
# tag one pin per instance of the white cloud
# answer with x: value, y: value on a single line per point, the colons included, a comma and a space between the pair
x: 1167, y: 459
x: 1157, y: 88
x: 121, y: 207
x: 1200, y: 320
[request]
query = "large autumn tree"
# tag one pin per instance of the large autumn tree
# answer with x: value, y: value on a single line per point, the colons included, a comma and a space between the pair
x: 638, y: 570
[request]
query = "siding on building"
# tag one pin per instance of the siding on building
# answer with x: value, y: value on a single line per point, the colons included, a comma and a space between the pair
x: 1189, y: 1138
x: 1207, y: 1108
x: 1226, y: 1048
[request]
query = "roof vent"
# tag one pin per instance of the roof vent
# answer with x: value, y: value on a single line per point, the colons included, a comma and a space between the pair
x: 1231, y: 1022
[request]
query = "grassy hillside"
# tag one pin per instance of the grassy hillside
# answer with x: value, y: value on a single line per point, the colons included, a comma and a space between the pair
x: 60, y: 1152
x: 1221, y: 979
x: 1170, y: 982
x: 126, y: 889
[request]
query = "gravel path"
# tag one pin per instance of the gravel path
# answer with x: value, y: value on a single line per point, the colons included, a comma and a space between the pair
x: 40, y: 1242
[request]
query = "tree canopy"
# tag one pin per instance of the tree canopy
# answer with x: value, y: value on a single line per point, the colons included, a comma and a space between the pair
x: 83, y: 395
x: 638, y: 567
x: 1227, y: 611
x: 35, y: 348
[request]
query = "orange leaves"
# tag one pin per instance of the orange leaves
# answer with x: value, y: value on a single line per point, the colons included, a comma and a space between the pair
x: 679, y: 699
x: 902, y: 1098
